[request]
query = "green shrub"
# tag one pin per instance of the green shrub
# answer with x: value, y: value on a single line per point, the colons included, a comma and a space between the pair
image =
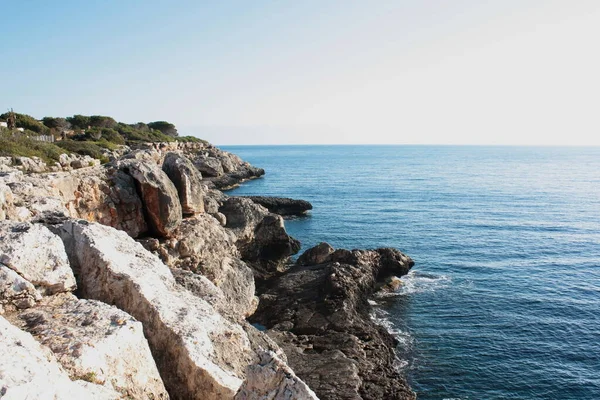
x: 165, y: 127
x: 23, y: 146
x: 28, y: 122
x: 79, y: 121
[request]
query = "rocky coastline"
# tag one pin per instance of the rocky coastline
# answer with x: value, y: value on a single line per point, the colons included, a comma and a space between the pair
x: 142, y: 279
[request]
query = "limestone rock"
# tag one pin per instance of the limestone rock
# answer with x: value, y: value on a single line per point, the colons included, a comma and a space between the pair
x: 95, y: 341
x: 203, y: 246
x: 159, y: 195
x: 272, y: 379
x: 318, y: 254
x: 37, y: 255
x: 28, y: 371
x: 16, y: 291
x: 7, y: 208
x: 209, y: 166
x: 187, y: 180
x: 199, y: 354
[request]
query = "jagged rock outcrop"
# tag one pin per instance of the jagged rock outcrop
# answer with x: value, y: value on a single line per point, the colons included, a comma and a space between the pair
x: 37, y: 255
x: 28, y: 371
x: 319, y: 315
x: 104, y: 195
x: 199, y: 354
x: 159, y: 195
x: 282, y: 205
x: 261, y: 236
x: 96, y: 342
x: 201, y: 245
x: 272, y: 379
x: 187, y: 180
x: 223, y: 169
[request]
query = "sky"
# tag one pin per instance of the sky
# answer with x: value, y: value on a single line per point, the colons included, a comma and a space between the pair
x: 512, y: 72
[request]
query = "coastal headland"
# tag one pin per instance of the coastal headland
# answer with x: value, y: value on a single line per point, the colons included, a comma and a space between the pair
x: 138, y: 277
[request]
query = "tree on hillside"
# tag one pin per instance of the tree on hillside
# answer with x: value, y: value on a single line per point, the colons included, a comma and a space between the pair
x: 165, y: 127
x: 102, y: 121
x: 79, y: 121
x: 56, y: 123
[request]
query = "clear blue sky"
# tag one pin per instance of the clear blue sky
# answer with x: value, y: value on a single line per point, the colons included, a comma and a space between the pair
x: 328, y: 71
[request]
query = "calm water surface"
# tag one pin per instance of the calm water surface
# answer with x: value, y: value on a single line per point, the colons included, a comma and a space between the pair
x: 504, y: 300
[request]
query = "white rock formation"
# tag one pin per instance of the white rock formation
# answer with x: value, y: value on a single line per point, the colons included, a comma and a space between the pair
x: 37, y: 255
x: 200, y: 354
x: 16, y: 291
x: 272, y: 379
x: 28, y: 371
x: 96, y: 342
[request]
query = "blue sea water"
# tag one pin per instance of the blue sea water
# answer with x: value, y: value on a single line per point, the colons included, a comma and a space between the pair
x: 504, y: 299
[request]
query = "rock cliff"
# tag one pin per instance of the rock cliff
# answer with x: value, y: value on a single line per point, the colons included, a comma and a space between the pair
x: 135, y: 279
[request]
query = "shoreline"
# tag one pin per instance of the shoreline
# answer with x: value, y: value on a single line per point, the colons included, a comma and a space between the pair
x: 216, y: 249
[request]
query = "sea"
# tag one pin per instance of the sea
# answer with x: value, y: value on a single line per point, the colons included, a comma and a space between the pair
x: 504, y: 299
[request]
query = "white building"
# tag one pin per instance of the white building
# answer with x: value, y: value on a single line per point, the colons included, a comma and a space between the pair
x: 3, y: 125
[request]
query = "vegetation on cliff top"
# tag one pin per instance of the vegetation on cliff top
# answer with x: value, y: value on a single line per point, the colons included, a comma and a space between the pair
x: 81, y: 134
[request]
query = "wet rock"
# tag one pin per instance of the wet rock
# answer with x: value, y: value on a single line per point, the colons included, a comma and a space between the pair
x: 37, y: 255
x: 272, y: 379
x: 199, y: 354
x: 95, y: 341
x: 28, y: 371
x: 187, y: 180
x: 158, y: 194
x: 319, y: 315
x: 282, y: 205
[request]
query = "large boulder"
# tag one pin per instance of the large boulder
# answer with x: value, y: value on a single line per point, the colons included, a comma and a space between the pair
x: 211, y: 167
x: 201, y: 245
x: 260, y: 234
x: 199, y: 354
x: 37, y: 255
x: 28, y: 371
x: 187, y: 180
x: 272, y: 379
x: 159, y: 195
x: 320, y: 316
x: 97, y: 342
